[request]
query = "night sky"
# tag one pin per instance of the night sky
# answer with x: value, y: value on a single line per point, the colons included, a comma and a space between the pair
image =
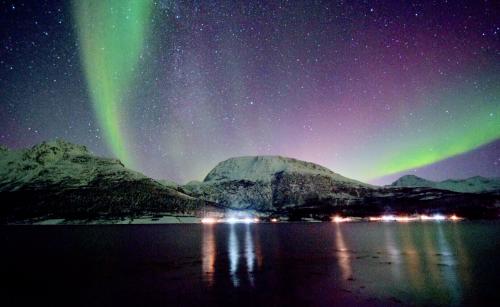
x: 369, y: 89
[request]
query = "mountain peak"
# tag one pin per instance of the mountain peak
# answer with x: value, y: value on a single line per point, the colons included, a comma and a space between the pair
x: 59, y: 163
x: 263, y: 168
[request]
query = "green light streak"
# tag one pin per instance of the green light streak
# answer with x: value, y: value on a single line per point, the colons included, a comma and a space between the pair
x: 456, y: 126
x: 111, y: 34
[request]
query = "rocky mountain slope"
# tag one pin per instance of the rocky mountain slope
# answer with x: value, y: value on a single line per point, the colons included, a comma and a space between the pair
x: 475, y: 184
x: 287, y: 186
x: 268, y: 183
x: 61, y: 179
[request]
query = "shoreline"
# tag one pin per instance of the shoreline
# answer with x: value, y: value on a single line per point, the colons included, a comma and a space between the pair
x: 186, y: 219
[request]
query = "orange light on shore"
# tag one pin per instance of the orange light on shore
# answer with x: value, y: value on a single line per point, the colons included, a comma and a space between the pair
x: 274, y: 220
x: 208, y: 220
x: 454, y: 217
x: 339, y: 219
x: 424, y: 217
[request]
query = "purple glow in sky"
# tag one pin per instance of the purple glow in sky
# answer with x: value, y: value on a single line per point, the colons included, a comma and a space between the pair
x: 370, y: 91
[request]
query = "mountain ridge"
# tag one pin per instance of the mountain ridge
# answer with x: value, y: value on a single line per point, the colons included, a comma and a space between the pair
x: 61, y: 179
x: 474, y: 184
x: 263, y: 167
x: 272, y: 183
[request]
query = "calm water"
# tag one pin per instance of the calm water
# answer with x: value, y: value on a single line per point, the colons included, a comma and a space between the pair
x: 272, y: 264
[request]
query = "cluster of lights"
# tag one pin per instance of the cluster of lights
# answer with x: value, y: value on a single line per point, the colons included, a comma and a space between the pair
x: 230, y: 220
x: 208, y: 220
x: 339, y: 219
x: 400, y: 218
x: 245, y: 220
x: 423, y: 217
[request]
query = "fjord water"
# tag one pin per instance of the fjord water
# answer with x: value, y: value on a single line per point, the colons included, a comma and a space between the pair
x: 430, y: 263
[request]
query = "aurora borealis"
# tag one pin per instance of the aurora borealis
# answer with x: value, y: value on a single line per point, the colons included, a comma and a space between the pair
x: 112, y: 34
x: 370, y: 90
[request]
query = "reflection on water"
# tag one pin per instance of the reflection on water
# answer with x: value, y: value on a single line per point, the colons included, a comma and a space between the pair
x: 242, y: 254
x: 423, y: 262
x: 416, y: 263
x: 392, y: 249
x: 242, y: 245
x: 249, y: 254
x: 343, y: 256
x: 448, y: 262
x: 208, y: 254
x: 279, y: 264
x: 234, y: 255
x: 462, y: 255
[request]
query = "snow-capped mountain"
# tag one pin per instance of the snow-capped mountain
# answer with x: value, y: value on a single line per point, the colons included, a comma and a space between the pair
x: 297, y: 188
x: 264, y: 168
x: 60, y: 164
x: 274, y: 182
x: 475, y: 184
x: 60, y: 179
x: 63, y: 179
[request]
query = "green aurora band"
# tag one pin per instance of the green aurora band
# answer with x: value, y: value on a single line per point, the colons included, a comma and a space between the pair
x: 111, y: 34
x: 462, y: 122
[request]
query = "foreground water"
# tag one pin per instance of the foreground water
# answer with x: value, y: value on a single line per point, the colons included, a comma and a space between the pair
x: 434, y: 263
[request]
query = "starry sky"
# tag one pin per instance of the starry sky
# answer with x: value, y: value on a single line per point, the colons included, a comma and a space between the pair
x: 369, y: 89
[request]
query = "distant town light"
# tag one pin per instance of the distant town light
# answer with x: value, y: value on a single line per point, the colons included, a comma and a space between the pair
x: 208, y: 220
x: 405, y: 219
x: 339, y: 219
x: 438, y: 217
x: 388, y: 218
x: 246, y: 220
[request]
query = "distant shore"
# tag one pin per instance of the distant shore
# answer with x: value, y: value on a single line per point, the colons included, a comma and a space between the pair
x: 187, y: 219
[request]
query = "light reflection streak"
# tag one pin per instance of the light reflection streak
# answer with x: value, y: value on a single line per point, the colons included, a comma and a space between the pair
x: 208, y: 254
x: 233, y: 252
x: 414, y: 267
x: 393, y: 251
x: 343, y: 256
x: 449, y: 273
x: 249, y: 254
x: 242, y: 247
x: 463, y: 257
x: 430, y: 252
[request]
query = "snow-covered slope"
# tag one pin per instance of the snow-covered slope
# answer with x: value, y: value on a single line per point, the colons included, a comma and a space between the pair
x: 475, y: 184
x: 264, y: 168
x: 274, y: 182
x: 58, y: 163
x: 62, y: 179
